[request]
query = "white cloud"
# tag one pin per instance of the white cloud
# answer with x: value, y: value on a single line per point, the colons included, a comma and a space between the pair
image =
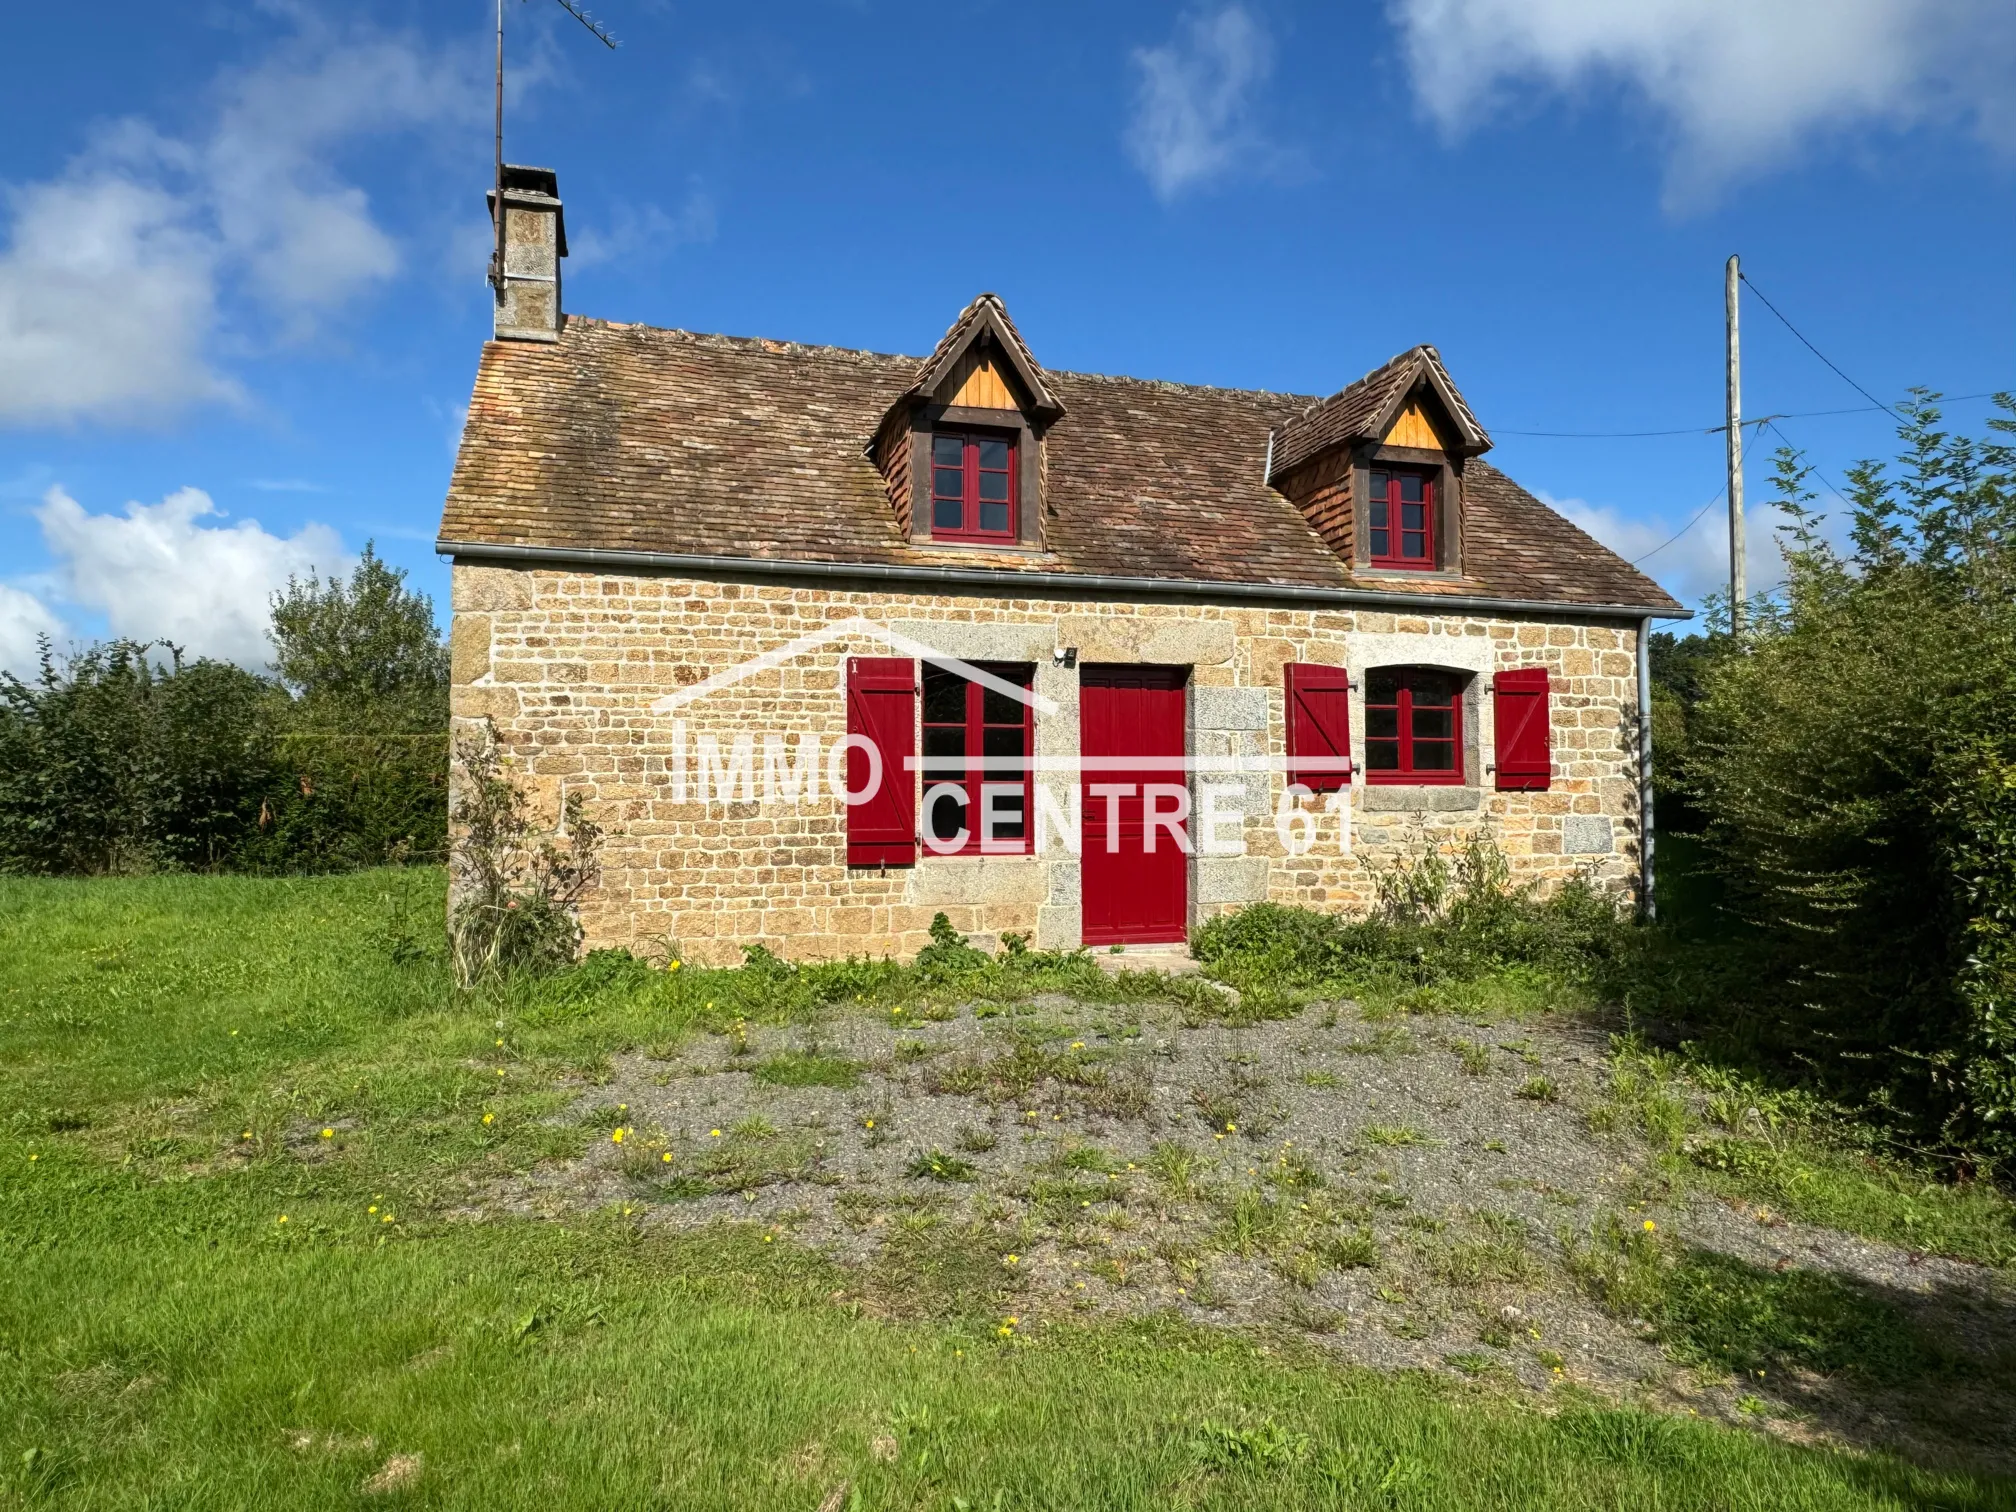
x: 24, y: 617
x: 1193, y: 99
x: 121, y: 280
x: 1694, y: 562
x: 631, y: 233
x: 1741, y: 84
x: 157, y: 574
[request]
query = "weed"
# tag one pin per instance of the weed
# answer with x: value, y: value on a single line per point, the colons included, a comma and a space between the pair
x: 1539, y: 1089
x: 1387, y: 1135
x: 795, y: 1068
x: 1176, y: 1166
x: 1323, y: 1079
x: 1087, y: 1158
x: 1266, y: 1447
x: 1475, y: 1059
x: 1359, y: 1251
x: 974, y: 1140
x: 1235, y: 1104
x: 936, y: 1165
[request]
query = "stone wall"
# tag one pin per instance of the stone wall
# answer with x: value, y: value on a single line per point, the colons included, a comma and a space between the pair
x: 567, y: 665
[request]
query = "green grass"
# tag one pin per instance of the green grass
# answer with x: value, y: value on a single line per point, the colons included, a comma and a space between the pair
x: 797, y: 1069
x: 170, y: 1050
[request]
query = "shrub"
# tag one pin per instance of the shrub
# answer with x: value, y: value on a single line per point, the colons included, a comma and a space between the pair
x: 1857, y: 765
x: 515, y: 887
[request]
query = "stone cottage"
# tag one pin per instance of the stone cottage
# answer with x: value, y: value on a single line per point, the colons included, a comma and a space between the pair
x: 831, y: 641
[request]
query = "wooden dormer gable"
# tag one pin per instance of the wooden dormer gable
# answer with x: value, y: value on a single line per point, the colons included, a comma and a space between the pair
x: 981, y: 380
x: 1403, y: 421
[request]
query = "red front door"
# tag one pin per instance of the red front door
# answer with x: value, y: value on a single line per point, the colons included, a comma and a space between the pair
x: 1135, y: 877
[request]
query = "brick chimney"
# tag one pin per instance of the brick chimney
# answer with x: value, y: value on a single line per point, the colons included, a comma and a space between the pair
x: 535, y: 239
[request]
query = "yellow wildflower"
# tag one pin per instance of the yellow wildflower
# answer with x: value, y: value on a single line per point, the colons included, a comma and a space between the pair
x: 868, y: 1124
x: 713, y: 1133
x: 489, y: 1118
x: 283, y: 1217
x: 666, y: 1157
x: 1650, y: 1225
x: 328, y: 1133
x: 1077, y: 1044
x: 616, y: 1137
x: 372, y: 1209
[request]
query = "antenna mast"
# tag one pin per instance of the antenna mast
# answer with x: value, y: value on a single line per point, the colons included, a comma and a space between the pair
x: 497, y: 205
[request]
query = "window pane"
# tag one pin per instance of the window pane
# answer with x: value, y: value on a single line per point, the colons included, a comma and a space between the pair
x: 999, y: 708
x: 1434, y: 724
x: 994, y: 518
x: 944, y: 696
x: 1378, y: 486
x: 948, y: 451
x: 994, y: 454
x: 1434, y: 756
x: 1413, y: 517
x: 1382, y: 686
x: 1433, y: 689
x: 1414, y: 547
x: 1003, y: 742
x: 1378, y: 512
x: 947, y: 514
x: 947, y: 818
x: 948, y: 482
x: 1009, y: 819
x: 993, y: 485
x: 944, y: 751
x: 1379, y: 539
x: 1410, y: 488
x: 1382, y: 755
x: 1382, y: 722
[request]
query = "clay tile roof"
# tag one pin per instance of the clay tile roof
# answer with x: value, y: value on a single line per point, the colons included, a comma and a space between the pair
x: 1363, y: 411
x: 625, y: 437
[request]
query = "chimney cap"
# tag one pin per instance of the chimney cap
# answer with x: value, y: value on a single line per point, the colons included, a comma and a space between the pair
x: 533, y: 188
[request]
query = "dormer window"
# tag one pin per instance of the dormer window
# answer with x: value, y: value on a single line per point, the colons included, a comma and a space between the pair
x: 1401, y: 516
x: 973, y: 487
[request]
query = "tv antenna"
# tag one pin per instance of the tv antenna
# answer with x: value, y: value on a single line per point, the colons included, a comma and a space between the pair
x: 601, y: 34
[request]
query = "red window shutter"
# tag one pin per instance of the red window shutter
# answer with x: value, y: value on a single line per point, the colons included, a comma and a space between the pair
x: 1524, y: 730
x: 882, y: 708
x: 1319, y: 726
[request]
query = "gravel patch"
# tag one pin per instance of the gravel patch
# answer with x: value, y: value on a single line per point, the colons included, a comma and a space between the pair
x: 1398, y: 1191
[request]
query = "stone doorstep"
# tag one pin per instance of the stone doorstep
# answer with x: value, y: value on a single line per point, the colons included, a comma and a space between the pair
x: 1174, y: 959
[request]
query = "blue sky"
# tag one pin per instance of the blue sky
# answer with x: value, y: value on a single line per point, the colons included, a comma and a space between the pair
x: 241, y: 247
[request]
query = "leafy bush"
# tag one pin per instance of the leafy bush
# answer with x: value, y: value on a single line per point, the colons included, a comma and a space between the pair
x: 128, y: 757
x: 1856, y: 762
x: 1442, y: 922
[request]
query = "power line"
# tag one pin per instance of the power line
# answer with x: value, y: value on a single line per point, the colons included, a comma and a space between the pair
x: 1716, y: 430
x: 1636, y: 561
x: 1815, y: 350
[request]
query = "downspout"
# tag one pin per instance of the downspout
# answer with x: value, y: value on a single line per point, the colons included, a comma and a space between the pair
x: 1648, y: 902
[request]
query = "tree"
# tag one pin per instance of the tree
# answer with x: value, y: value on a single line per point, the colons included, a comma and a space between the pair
x: 364, y: 654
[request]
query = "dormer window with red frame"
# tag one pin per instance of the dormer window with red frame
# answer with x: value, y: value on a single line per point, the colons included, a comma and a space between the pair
x: 972, y: 487
x: 1401, y: 516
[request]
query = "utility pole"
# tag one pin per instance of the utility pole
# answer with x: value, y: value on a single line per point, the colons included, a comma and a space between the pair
x: 1737, y: 587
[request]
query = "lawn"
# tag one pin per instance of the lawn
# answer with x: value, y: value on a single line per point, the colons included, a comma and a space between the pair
x: 245, y: 1261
